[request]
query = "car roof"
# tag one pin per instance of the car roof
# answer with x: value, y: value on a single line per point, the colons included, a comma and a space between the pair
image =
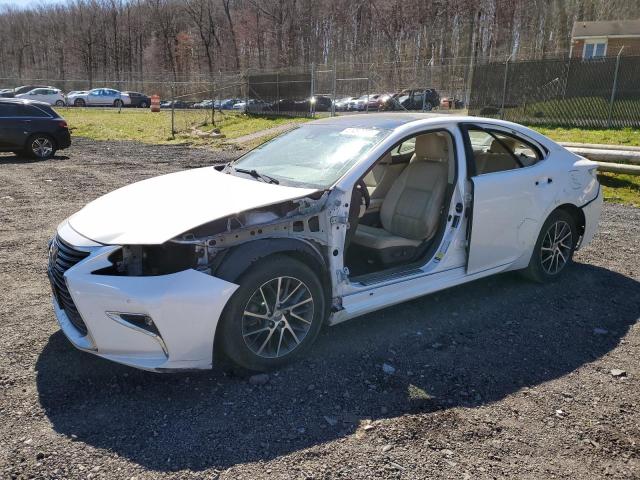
x: 391, y: 121
x: 23, y: 101
x: 386, y: 121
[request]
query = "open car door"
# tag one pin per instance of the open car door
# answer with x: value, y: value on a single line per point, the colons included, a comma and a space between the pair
x: 512, y: 191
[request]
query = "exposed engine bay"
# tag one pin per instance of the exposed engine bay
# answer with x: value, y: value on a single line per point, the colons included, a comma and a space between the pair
x: 204, y: 248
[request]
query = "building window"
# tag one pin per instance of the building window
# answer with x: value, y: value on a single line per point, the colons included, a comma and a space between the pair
x: 594, y: 49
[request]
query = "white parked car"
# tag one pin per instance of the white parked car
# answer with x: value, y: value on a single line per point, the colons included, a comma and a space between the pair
x: 50, y: 95
x: 337, y: 218
x: 103, y: 97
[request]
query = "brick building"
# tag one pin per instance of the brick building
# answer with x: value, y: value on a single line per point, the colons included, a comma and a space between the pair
x: 591, y: 40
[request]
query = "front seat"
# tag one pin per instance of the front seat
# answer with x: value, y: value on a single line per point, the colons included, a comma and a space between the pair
x: 410, y: 212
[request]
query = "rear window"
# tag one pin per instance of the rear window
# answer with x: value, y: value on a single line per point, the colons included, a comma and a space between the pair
x: 39, y: 111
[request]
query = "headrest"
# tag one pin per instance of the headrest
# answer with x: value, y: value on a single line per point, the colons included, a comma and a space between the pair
x: 431, y: 147
x: 496, y: 146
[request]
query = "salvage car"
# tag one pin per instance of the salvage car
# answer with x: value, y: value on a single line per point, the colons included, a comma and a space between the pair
x: 335, y: 219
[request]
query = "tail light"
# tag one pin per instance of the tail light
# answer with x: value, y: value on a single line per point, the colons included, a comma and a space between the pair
x: 63, y: 124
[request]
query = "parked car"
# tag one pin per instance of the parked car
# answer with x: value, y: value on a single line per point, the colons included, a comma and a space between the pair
x: 335, y: 219
x: 205, y: 104
x: 52, y: 96
x: 104, y: 97
x: 368, y: 102
x: 228, y: 103
x: 177, y: 104
x: 342, y: 103
x: 31, y: 128
x: 10, y: 93
x: 412, y: 99
x: 139, y: 100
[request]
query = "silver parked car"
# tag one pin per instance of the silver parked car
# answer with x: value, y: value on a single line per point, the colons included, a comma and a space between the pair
x: 104, y: 97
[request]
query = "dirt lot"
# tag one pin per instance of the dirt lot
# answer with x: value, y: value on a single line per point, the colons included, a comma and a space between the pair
x: 498, y: 379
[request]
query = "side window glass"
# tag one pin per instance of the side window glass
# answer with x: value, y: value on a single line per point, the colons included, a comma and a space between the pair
x: 8, y: 110
x: 495, y: 151
x: 31, y: 111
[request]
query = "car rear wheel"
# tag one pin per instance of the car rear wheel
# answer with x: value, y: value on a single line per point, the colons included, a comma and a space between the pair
x: 143, y: 104
x: 41, y: 146
x: 554, y: 248
x: 117, y: 103
x: 274, y: 316
x: 79, y: 102
x: 59, y: 103
x: 428, y: 106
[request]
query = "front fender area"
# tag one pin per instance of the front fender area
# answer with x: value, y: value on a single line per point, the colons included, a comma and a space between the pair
x: 239, y: 259
x: 184, y: 306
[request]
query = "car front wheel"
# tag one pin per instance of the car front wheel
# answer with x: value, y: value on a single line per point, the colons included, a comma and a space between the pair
x: 554, y: 248
x: 274, y: 316
x: 41, y: 146
x: 143, y: 104
x: 79, y: 103
x: 59, y: 103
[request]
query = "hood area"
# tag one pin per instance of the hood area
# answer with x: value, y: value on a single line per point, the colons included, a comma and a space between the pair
x: 155, y: 210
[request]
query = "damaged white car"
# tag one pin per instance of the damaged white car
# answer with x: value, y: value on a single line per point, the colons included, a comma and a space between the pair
x: 335, y: 219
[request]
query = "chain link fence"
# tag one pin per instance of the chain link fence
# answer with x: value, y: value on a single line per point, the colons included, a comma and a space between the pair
x: 568, y: 92
x: 602, y: 93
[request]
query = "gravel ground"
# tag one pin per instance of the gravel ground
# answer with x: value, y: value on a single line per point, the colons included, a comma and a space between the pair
x: 500, y: 378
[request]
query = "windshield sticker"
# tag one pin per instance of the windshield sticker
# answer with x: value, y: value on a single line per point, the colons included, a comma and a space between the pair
x: 359, y: 132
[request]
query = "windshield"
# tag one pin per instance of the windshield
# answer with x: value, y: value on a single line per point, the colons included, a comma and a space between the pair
x: 312, y: 155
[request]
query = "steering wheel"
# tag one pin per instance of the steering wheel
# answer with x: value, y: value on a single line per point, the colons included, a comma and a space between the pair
x: 365, y: 192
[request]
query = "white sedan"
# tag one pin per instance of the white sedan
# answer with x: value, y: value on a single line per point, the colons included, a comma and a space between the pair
x: 49, y: 95
x: 99, y: 97
x: 335, y: 219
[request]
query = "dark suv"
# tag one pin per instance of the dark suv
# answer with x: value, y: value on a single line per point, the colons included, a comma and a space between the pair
x: 31, y: 128
x: 413, y: 99
x: 138, y: 99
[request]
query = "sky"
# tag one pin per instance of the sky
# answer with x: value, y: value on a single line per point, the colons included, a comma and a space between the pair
x: 27, y: 3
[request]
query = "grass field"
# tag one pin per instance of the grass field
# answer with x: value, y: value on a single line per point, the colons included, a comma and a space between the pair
x: 145, y: 126
x: 626, y: 137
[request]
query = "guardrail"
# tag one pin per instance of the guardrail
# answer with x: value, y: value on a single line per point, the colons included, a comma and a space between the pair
x: 610, y: 158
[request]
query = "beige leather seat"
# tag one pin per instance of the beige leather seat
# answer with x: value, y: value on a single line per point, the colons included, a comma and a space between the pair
x: 411, y: 209
x: 497, y: 158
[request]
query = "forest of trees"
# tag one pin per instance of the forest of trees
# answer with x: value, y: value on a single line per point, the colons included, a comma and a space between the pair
x: 182, y: 40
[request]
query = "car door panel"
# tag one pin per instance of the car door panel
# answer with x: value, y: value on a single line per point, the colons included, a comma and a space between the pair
x: 509, y: 208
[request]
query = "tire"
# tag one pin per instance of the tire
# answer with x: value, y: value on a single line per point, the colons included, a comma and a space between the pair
x: 40, y: 146
x: 143, y: 104
x: 258, y: 336
x: 59, y: 103
x: 118, y: 103
x: 78, y: 102
x: 428, y: 106
x: 554, y: 248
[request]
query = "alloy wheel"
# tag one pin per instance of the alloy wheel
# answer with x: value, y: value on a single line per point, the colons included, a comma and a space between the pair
x: 277, y: 317
x: 41, y: 147
x: 556, y: 247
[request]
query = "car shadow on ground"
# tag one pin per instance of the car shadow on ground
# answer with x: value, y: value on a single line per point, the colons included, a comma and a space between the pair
x: 467, y: 346
x: 9, y: 159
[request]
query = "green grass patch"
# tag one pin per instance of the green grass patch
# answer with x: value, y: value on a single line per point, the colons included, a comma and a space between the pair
x: 628, y: 137
x: 155, y: 127
x: 620, y: 188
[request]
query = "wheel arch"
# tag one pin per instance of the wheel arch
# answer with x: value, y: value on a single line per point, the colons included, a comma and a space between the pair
x: 576, y: 213
x: 239, y: 259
